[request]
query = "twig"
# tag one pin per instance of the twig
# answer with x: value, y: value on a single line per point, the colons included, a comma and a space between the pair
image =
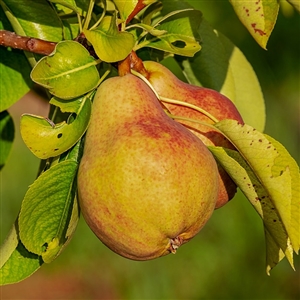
x: 140, y: 5
x: 10, y: 39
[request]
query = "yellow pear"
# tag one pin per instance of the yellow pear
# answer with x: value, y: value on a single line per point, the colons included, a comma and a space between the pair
x: 168, y: 85
x: 146, y: 184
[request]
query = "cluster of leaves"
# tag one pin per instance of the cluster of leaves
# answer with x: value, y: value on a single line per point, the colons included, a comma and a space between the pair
x: 172, y: 32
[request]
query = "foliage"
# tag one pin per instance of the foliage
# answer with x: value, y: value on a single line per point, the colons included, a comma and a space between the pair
x: 170, y: 31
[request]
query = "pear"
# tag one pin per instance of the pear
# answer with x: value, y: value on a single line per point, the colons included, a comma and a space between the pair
x: 168, y: 85
x: 146, y: 184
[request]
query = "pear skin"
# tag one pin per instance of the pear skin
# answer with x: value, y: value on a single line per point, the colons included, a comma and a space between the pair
x: 168, y: 85
x: 138, y: 180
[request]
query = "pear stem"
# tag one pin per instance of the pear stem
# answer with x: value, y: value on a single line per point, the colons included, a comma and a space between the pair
x: 173, y: 101
x: 193, y: 120
x: 186, y: 104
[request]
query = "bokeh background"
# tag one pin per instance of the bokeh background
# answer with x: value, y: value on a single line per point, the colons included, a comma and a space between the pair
x: 226, y: 260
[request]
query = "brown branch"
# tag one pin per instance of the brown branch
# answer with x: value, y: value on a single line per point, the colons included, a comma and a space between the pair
x: 10, y: 39
x: 140, y: 5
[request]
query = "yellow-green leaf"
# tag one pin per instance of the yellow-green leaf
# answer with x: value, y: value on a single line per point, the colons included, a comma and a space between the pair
x: 47, y: 209
x: 259, y: 17
x: 181, y: 33
x: 269, y: 177
x: 125, y: 8
x: 45, y: 139
x: 71, y: 66
x: 109, y: 43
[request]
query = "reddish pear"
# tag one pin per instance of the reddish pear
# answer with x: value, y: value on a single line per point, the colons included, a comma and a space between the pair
x: 167, y: 85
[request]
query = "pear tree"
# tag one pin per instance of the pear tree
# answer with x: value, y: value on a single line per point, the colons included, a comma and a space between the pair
x: 144, y: 155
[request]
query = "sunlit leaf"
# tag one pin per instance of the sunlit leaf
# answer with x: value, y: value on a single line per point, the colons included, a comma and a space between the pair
x: 109, y: 43
x: 7, y: 131
x: 20, y: 265
x: 181, y: 33
x: 46, y: 25
x: 71, y: 4
x: 69, y: 72
x: 269, y: 178
x: 47, y: 209
x: 125, y: 8
x: 259, y: 17
x: 221, y: 66
x: 46, y: 139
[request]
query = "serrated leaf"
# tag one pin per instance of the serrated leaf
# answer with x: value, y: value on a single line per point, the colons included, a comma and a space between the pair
x: 109, y: 43
x: 181, y: 35
x: 125, y: 8
x: 221, y: 66
x: 47, y: 209
x: 20, y: 265
x: 7, y: 133
x: 269, y: 177
x: 71, y: 66
x: 259, y: 17
x: 45, y: 139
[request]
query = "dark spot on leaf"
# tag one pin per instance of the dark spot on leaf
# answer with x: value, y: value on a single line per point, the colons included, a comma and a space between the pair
x: 59, y: 135
x: 274, y: 220
x: 260, y: 140
x: 56, y: 149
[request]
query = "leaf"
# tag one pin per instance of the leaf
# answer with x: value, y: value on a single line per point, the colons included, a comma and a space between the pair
x: 20, y: 265
x: 259, y: 17
x: 45, y: 139
x: 14, y: 69
x: 125, y: 8
x: 9, y: 245
x: 181, y: 35
x: 109, y: 44
x: 71, y: 4
x: 221, y: 66
x: 69, y: 72
x: 7, y: 133
x: 33, y: 18
x: 295, y: 4
x: 47, y: 209
x: 269, y: 178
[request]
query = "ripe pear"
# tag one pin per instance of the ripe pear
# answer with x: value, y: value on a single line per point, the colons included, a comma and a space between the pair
x: 168, y: 85
x: 146, y: 184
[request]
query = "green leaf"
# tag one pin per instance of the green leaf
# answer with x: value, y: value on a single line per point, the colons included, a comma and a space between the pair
x: 47, y: 209
x: 46, y: 139
x: 71, y: 4
x: 7, y: 133
x: 125, y: 8
x: 295, y: 4
x: 69, y: 66
x: 269, y: 178
x: 221, y: 66
x: 181, y: 33
x: 20, y: 265
x: 33, y: 18
x: 259, y: 17
x: 14, y: 69
x: 109, y: 43
x: 9, y: 245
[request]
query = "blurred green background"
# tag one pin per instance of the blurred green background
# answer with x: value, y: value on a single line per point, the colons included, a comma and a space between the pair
x: 226, y: 260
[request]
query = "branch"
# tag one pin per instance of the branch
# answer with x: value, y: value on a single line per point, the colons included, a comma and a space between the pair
x: 10, y: 39
x: 140, y: 5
